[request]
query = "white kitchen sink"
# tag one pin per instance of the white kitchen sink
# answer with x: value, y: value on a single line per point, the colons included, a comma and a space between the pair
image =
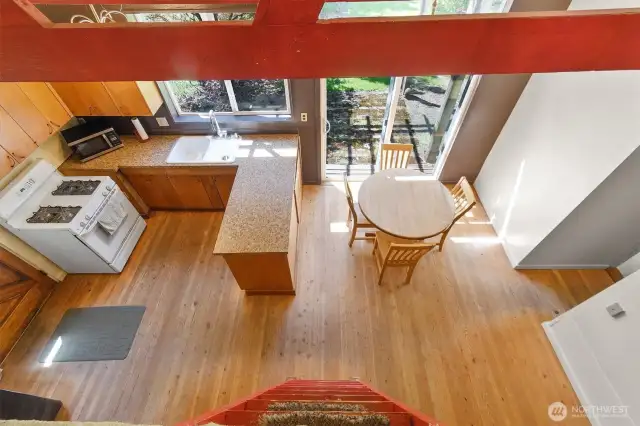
x: 203, y: 150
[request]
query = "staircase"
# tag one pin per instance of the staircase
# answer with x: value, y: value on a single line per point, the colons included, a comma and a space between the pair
x: 316, y: 402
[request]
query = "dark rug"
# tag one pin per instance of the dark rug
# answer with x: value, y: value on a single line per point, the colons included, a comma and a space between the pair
x: 94, y: 334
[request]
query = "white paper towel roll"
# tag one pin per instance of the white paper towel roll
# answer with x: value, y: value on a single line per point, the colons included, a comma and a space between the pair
x: 141, y: 132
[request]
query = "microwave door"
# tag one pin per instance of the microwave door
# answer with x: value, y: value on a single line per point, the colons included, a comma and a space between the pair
x: 93, y: 147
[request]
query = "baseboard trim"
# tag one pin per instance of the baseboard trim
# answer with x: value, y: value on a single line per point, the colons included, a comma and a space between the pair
x: 524, y: 267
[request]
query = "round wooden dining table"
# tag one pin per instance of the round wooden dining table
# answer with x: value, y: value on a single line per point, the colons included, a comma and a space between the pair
x: 406, y: 203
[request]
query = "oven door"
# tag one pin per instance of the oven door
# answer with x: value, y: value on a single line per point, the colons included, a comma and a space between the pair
x: 93, y: 147
x: 104, y: 244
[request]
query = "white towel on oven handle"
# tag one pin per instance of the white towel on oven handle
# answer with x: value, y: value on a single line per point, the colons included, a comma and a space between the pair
x: 113, y: 214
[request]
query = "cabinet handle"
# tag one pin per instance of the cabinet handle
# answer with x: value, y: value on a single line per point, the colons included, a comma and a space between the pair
x: 90, y: 109
x: 50, y: 128
x: 54, y: 124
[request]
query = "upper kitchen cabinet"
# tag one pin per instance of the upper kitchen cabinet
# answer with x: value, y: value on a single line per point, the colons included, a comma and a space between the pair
x: 46, y: 100
x: 84, y: 99
x: 113, y: 98
x: 24, y: 112
x: 13, y: 139
x: 135, y: 97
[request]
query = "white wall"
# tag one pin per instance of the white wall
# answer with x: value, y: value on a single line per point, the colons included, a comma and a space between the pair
x: 600, y: 353
x: 630, y: 266
x: 567, y: 133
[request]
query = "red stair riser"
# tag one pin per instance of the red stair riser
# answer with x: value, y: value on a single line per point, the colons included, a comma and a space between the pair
x: 322, y: 397
x: 376, y: 406
x: 251, y: 417
x: 321, y: 391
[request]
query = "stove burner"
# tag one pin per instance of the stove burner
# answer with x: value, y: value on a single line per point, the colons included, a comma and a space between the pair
x: 77, y: 187
x: 54, y: 214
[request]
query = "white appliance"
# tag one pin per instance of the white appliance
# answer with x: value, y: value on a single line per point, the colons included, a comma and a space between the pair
x: 60, y: 217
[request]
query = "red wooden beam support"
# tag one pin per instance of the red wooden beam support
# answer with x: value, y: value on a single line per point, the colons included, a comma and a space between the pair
x: 286, y: 42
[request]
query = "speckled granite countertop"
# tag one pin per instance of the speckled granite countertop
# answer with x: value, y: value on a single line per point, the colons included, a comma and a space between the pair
x: 258, y: 214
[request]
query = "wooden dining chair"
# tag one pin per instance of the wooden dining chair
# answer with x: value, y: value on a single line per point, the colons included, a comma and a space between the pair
x: 464, y: 199
x: 395, y: 155
x: 390, y: 251
x: 355, y: 219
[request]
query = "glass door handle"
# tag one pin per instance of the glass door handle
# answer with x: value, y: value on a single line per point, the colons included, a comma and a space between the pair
x: 327, y: 126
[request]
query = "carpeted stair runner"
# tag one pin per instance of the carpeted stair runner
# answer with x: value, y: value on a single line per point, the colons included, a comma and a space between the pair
x: 319, y: 418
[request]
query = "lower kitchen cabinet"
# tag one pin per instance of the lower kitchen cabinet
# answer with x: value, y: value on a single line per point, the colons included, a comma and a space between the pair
x: 178, y: 188
x: 13, y: 139
x: 23, y: 290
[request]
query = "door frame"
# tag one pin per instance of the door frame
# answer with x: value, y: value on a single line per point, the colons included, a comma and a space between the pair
x: 456, y: 124
x: 322, y: 128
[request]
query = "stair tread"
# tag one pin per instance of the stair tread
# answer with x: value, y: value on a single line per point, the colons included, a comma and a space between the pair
x: 373, y: 406
x: 245, y: 417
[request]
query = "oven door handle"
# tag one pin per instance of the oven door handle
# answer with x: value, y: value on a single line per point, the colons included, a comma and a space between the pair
x: 94, y: 220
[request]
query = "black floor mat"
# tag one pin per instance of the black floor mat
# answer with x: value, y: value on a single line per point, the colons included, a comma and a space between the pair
x: 94, y: 334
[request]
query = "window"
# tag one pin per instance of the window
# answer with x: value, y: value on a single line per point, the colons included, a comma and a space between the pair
x: 239, y: 97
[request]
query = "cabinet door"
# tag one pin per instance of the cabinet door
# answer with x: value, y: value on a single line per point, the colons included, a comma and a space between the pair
x: 135, y: 98
x: 47, y: 102
x: 191, y: 192
x: 224, y: 184
x: 155, y: 189
x: 22, y: 293
x: 18, y: 105
x: 128, y: 98
x: 85, y: 99
x: 14, y: 139
x: 7, y: 163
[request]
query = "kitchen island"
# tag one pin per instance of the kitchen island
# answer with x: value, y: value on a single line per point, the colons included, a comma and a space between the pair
x: 260, y: 193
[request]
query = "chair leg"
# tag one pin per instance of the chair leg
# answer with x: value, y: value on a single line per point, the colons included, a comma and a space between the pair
x: 353, y: 234
x: 409, y: 274
x: 381, y: 274
x: 375, y: 246
x: 349, y: 216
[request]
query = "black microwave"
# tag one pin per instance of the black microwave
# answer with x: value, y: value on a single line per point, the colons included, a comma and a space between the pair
x: 92, y: 139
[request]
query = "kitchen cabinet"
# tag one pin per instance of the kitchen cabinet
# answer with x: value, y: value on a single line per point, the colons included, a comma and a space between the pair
x: 87, y: 98
x: 13, y: 139
x: 23, y: 290
x: 46, y: 100
x: 7, y: 162
x: 153, y: 186
x: 135, y: 98
x: 18, y: 105
x: 179, y: 188
x: 114, y: 98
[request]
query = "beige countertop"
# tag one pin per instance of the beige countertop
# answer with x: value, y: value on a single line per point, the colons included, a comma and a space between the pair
x: 258, y: 214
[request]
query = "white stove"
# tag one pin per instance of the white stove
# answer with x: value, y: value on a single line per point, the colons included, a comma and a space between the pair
x: 59, y: 217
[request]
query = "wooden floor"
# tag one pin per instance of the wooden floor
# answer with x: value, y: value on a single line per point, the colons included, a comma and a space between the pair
x: 462, y: 342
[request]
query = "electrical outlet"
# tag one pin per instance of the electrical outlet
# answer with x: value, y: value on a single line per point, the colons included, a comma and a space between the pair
x: 615, y: 310
x: 303, y: 116
x: 162, y: 122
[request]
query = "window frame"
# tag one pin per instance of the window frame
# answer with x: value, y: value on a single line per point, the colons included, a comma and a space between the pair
x: 232, y: 101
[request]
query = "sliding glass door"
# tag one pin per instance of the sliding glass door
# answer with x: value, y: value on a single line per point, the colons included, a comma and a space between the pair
x: 361, y: 113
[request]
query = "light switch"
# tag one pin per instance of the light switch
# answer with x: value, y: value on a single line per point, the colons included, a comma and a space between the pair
x: 162, y: 122
x: 303, y: 116
x: 615, y: 310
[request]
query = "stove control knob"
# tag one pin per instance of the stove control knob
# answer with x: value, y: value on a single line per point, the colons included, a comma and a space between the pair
x: 109, y: 188
x: 87, y: 217
x: 82, y: 224
x: 105, y: 193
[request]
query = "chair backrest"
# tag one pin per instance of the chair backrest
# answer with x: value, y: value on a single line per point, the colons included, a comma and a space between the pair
x: 407, y: 254
x: 395, y: 155
x: 347, y: 191
x: 464, y: 198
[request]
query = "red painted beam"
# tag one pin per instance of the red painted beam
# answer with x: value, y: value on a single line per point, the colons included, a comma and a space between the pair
x: 476, y: 44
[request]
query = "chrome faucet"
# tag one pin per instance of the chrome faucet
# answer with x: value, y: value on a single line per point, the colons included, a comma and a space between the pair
x: 212, y: 120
